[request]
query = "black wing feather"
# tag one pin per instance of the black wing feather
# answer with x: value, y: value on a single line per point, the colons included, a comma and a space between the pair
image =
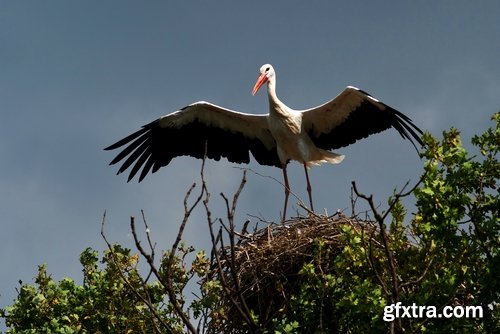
x: 368, y: 117
x: 154, y: 146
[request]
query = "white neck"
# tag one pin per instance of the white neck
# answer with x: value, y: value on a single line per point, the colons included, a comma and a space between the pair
x: 276, y: 107
x: 271, y: 92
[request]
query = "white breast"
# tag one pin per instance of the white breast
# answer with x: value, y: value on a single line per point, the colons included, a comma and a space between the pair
x: 292, y: 142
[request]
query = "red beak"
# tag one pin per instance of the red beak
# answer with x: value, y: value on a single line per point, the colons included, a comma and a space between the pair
x: 260, y: 81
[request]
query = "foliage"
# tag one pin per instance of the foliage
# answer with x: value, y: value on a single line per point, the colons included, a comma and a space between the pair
x: 457, y: 226
x: 110, y: 299
x: 445, y: 254
x: 101, y: 304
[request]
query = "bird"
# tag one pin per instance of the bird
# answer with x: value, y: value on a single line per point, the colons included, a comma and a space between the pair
x: 203, y: 129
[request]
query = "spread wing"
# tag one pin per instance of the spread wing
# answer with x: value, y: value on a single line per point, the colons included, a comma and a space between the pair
x: 191, y: 131
x: 353, y: 115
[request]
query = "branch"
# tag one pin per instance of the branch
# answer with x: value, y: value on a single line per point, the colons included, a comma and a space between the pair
x: 151, y: 246
x: 421, y: 277
x: 401, y: 194
x: 167, y: 285
x: 216, y: 240
x: 230, y: 217
x: 385, y: 242
x: 369, y: 258
x: 146, y: 300
x: 299, y: 201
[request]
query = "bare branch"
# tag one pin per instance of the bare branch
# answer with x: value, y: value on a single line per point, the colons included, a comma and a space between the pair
x: 167, y: 282
x: 151, y: 246
x: 401, y: 194
x: 144, y: 298
x: 388, y: 251
x: 215, y: 246
x: 299, y: 200
x: 218, y: 244
x: 230, y: 217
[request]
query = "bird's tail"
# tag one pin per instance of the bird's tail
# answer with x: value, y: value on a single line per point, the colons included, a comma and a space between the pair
x: 325, y: 156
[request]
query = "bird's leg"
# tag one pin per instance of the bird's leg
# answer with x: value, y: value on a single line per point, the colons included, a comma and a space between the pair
x: 308, y: 187
x: 287, y: 191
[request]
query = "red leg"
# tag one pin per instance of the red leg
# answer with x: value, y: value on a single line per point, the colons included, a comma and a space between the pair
x: 287, y: 191
x: 309, y: 187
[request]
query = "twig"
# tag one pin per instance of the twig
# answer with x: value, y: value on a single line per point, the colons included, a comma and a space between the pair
x: 401, y: 195
x: 385, y: 241
x: 369, y: 258
x: 218, y: 263
x: 421, y: 277
x: 243, y: 311
x: 187, y: 214
x: 299, y: 201
x: 151, y: 246
x: 167, y: 285
x: 146, y: 300
x: 230, y: 217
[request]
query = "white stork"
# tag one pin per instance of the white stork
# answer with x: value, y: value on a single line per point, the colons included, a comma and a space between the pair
x: 274, y: 139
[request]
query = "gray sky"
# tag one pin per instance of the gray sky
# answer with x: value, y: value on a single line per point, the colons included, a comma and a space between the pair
x: 78, y: 75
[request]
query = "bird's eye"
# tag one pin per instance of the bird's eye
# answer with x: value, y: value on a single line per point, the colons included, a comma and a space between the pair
x: 267, y: 69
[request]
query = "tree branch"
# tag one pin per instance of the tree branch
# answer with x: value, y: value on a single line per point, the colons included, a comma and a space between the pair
x: 145, y: 299
x: 385, y: 242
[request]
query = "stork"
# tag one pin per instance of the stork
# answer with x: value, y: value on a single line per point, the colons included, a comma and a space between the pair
x: 284, y: 134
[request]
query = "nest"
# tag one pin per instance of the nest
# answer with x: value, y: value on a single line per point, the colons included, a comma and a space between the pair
x: 262, y: 270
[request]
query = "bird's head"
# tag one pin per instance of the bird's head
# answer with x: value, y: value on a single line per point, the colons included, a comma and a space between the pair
x: 266, y: 74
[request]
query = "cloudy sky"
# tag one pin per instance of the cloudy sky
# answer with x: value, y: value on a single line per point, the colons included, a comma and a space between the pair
x: 78, y: 75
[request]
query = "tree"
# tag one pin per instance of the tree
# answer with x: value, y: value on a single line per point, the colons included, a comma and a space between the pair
x: 315, y: 274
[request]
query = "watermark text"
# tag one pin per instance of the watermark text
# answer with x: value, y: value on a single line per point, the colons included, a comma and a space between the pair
x: 415, y: 311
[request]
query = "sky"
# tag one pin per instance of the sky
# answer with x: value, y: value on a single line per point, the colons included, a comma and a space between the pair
x: 76, y: 76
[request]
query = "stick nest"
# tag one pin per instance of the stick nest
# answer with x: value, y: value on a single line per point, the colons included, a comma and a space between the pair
x: 262, y: 270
